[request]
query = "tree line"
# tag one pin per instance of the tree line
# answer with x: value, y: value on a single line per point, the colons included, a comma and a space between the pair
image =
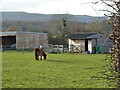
x: 56, y: 28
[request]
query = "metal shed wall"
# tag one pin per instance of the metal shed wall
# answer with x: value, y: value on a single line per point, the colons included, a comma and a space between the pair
x: 25, y: 39
x: 31, y: 40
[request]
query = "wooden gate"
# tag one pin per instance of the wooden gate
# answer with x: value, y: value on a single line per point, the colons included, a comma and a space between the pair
x: 76, y: 48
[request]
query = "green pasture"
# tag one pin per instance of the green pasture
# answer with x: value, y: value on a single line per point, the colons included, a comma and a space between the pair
x: 21, y: 70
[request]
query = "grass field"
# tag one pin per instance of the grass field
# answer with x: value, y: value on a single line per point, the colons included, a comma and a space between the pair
x: 58, y: 71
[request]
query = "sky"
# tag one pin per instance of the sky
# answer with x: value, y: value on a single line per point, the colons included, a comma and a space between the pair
x: 74, y: 7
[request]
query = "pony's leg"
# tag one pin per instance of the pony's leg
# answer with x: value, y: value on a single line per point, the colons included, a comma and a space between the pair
x: 36, y: 57
x: 40, y: 57
x: 44, y: 58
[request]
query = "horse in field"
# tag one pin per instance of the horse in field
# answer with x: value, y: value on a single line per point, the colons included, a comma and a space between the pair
x: 39, y: 52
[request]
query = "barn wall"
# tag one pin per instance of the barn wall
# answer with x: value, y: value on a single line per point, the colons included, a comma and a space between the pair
x: 94, y: 43
x: 31, y: 40
x: 26, y: 39
x: 103, y: 42
x: 80, y: 43
x: 98, y: 40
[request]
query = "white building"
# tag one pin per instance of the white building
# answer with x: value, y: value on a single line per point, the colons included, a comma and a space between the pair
x: 83, y: 42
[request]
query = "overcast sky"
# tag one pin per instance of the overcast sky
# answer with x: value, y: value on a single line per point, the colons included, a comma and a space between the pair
x: 75, y: 7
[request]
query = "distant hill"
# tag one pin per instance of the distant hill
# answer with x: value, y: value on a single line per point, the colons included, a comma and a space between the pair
x: 23, y: 16
x: 51, y: 23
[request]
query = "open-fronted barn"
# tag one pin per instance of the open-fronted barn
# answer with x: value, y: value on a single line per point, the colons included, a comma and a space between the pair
x: 20, y: 39
x: 92, y: 42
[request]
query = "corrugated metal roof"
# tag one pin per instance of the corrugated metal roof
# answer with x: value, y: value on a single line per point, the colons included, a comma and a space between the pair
x: 7, y: 32
x: 20, y: 32
x: 81, y: 36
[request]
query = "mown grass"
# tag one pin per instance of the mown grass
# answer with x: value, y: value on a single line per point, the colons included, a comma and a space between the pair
x: 20, y: 70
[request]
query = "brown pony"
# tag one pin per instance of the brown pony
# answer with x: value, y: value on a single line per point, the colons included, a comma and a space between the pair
x: 39, y: 52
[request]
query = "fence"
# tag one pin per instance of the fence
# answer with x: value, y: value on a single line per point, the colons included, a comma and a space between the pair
x: 55, y: 48
x: 64, y: 48
x: 9, y: 48
x: 48, y: 48
x: 76, y: 48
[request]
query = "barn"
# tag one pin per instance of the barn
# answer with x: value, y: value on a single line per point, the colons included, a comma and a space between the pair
x: 89, y: 42
x: 20, y: 39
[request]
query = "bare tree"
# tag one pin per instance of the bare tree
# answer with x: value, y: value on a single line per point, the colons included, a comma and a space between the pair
x: 114, y: 19
x: 64, y: 18
x: 113, y: 14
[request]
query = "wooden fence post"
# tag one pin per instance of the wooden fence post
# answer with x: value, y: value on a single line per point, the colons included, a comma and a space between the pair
x: 57, y: 48
x: 23, y: 48
x: 1, y: 48
x: 52, y: 47
x: 79, y: 49
x: 63, y: 48
x: 72, y: 48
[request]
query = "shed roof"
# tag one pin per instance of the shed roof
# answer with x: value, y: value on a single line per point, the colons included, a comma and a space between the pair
x: 81, y: 36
